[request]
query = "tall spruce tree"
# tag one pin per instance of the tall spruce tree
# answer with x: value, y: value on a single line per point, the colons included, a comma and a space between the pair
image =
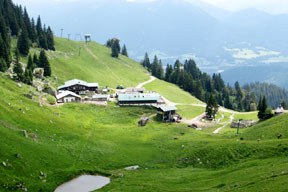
x: 3, y: 64
x: 17, y: 66
x: 115, y: 48
x: 124, y: 51
x: 262, y: 107
x: 44, y: 63
x: 212, y: 107
x: 146, y: 62
x: 36, y: 60
x: 23, y: 43
x: 50, y: 39
x: 28, y: 78
x: 30, y: 64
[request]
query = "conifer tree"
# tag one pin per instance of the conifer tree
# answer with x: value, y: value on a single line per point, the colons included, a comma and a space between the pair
x: 262, y: 107
x: 17, y: 66
x: 115, y: 47
x: 3, y: 65
x: 44, y: 63
x: 146, y: 62
x: 212, y: 107
x: 28, y: 78
x: 124, y: 51
x: 30, y: 64
x: 35, y: 60
x: 23, y: 43
x: 50, y: 39
x: 168, y: 72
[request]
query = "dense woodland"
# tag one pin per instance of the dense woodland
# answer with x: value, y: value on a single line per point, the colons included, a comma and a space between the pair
x: 205, y: 87
x: 15, y: 22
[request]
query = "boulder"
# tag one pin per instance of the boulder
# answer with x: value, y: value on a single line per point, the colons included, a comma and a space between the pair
x: 38, y: 73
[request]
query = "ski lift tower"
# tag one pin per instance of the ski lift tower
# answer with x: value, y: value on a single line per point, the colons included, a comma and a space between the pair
x: 87, y: 38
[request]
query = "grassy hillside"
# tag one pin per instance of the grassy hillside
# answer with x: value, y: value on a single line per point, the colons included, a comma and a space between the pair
x: 65, y: 141
x: 42, y: 147
x: 92, y: 62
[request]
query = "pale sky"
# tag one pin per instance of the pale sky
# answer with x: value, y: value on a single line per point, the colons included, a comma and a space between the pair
x: 271, y: 6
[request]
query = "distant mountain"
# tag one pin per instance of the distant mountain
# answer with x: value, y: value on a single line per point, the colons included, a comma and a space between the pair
x: 180, y: 29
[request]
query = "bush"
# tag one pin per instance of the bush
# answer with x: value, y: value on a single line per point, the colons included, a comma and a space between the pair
x: 51, y: 100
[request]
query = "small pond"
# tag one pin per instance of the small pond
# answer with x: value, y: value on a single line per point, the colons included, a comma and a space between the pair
x: 84, y: 183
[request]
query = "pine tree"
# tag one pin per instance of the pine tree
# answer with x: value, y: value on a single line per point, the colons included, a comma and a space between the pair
x: 27, y: 24
x: 23, y: 43
x: 35, y: 60
x: 44, y: 63
x: 262, y: 106
x: 3, y: 65
x: 212, y: 107
x: 28, y: 78
x: 115, y: 48
x: 17, y: 66
x: 50, y: 39
x: 146, y: 62
x: 124, y: 51
x: 154, y: 65
x: 5, y: 42
x: 30, y: 64
x: 39, y: 26
x: 168, y: 72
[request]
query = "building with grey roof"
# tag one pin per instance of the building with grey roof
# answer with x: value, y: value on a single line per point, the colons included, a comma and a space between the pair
x: 138, y: 98
x: 79, y: 87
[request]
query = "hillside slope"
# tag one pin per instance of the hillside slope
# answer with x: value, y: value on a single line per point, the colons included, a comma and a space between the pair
x: 42, y: 147
x: 92, y: 62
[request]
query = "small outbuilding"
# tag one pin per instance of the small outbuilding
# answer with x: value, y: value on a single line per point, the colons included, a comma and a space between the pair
x: 100, y: 97
x: 279, y: 110
x: 68, y: 97
x: 168, y: 113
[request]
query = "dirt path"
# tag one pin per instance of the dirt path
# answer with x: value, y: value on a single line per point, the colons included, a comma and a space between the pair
x: 220, y: 128
x: 152, y: 78
x: 194, y: 120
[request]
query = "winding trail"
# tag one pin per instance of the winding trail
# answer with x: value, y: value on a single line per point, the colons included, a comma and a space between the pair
x: 152, y: 78
x: 220, y: 128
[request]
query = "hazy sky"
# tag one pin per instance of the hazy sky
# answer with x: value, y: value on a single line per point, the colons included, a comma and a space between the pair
x: 271, y: 6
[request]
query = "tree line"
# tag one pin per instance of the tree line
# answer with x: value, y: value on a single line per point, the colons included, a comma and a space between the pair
x: 210, y: 88
x: 15, y: 22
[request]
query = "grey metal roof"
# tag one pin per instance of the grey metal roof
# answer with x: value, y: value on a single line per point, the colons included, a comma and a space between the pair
x: 67, y: 93
x: 139, y: 97
x: 166, y: 108
x: 77, y: 82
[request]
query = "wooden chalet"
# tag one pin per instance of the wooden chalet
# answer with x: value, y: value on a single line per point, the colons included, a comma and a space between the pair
x: 79, y: 87
x: 68, y: 97
x: 139, y: 98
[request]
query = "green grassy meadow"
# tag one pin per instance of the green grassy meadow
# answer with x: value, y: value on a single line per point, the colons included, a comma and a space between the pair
x: 43, y: 147
x: 68, y: 61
